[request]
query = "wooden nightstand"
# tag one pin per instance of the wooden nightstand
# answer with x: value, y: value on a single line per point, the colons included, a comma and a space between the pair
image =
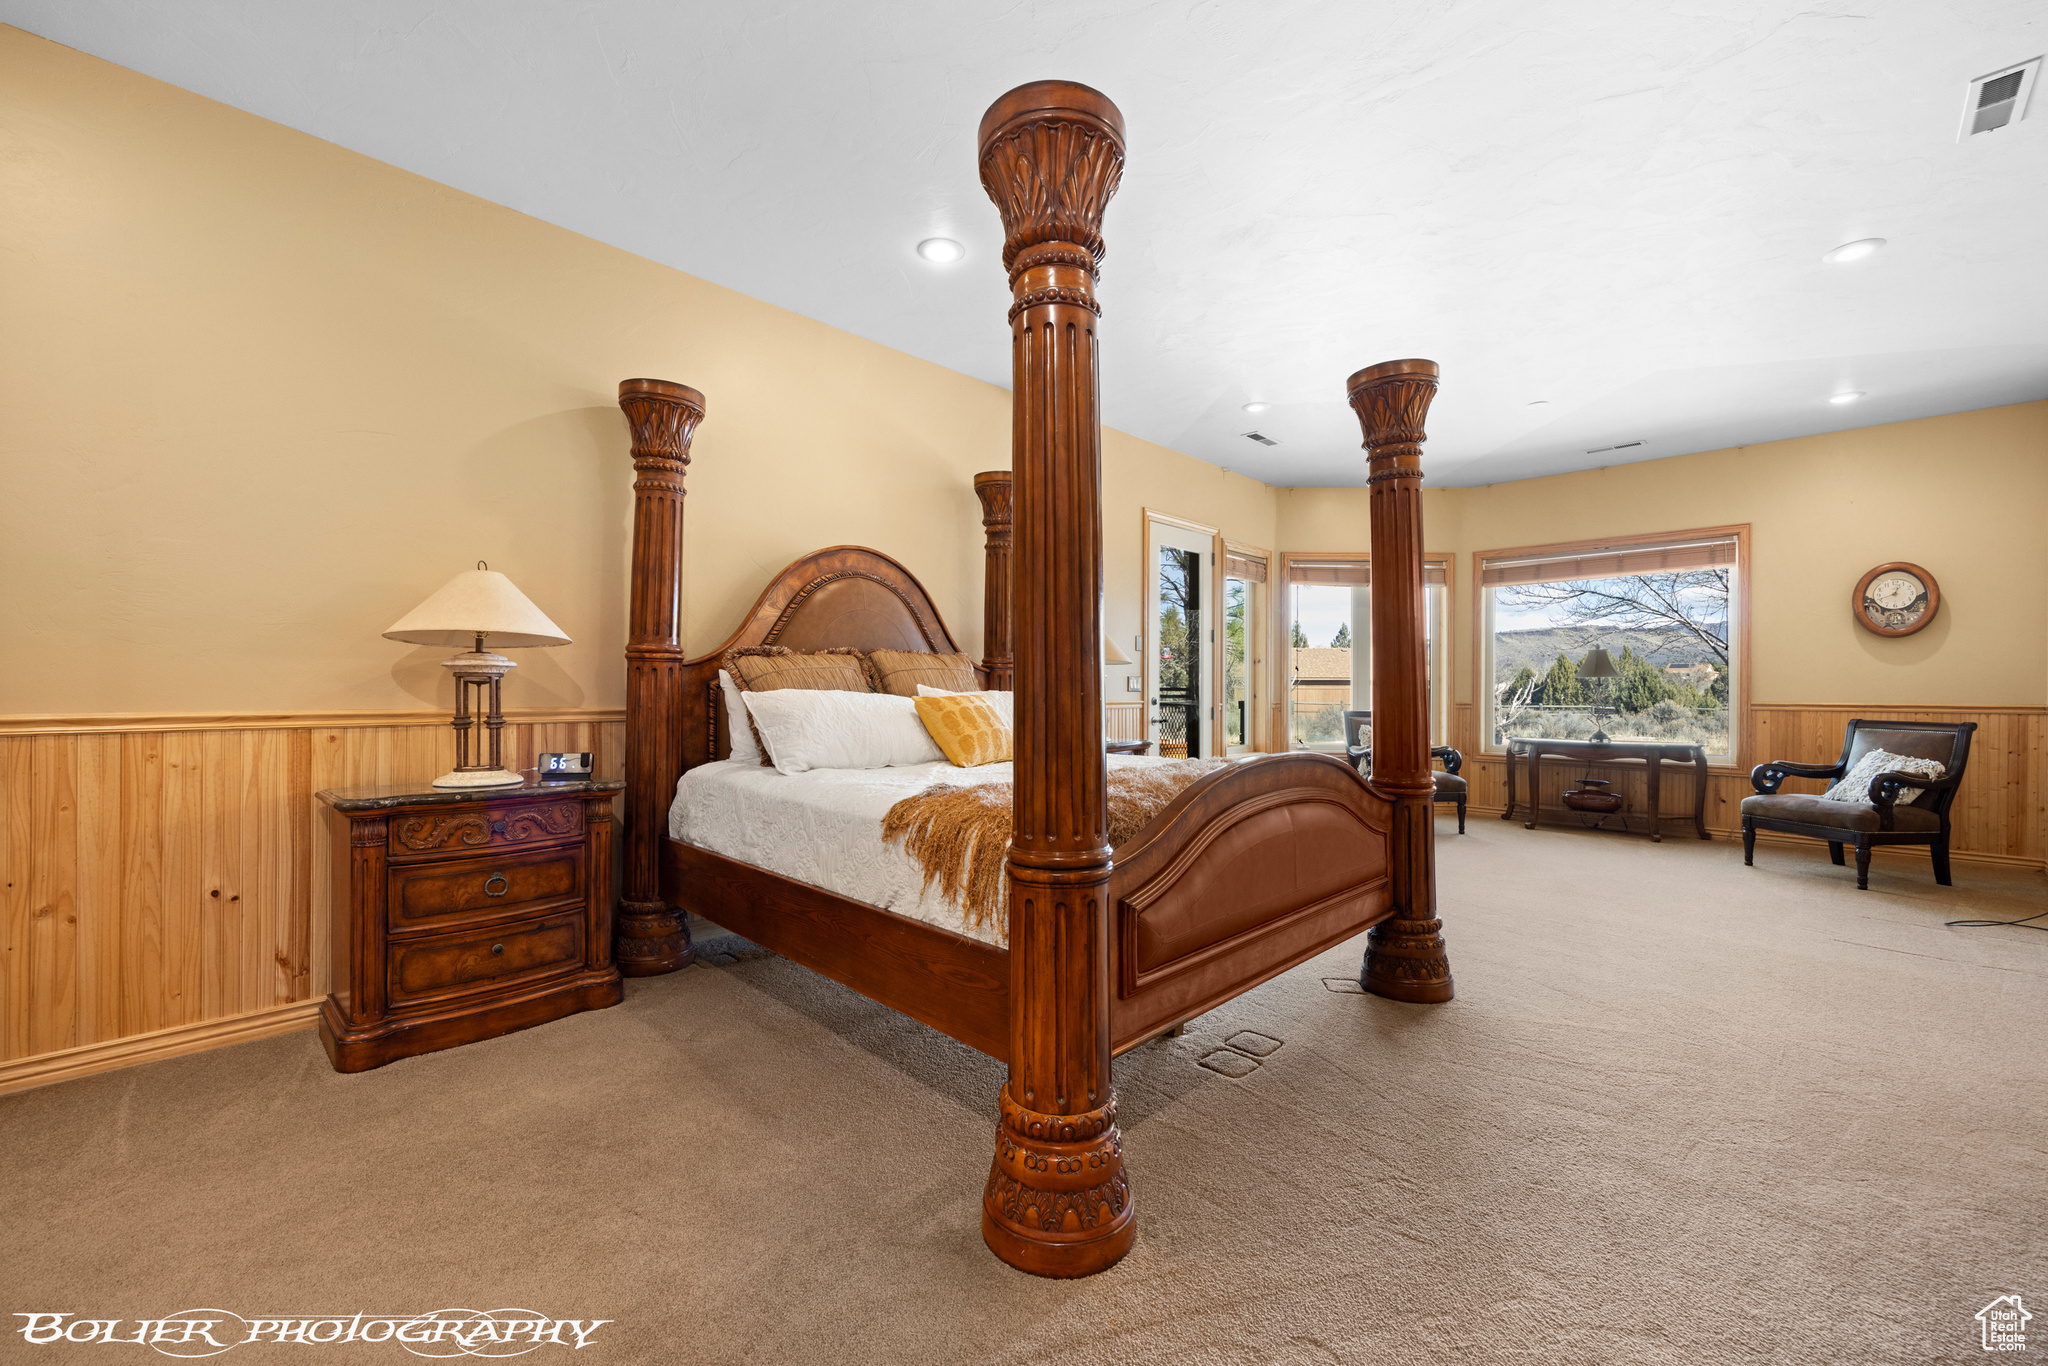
x: 463, y: 915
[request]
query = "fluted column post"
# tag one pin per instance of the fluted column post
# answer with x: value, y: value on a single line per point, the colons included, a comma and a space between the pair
x: 653, y: 937
x: 998, y: 651
x: 1056, y: 1202
x: 1404, y: 955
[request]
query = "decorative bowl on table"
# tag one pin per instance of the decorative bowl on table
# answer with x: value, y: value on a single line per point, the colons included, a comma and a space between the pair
x: 1595, y: 795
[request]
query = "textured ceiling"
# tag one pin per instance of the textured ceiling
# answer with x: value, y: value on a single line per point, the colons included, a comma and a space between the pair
x: 1615, y: 207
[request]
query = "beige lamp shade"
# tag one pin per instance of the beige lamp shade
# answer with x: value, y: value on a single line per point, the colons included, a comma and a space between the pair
x: 1598, y: 664
x: 477, y: 602
x: 1112, y: 653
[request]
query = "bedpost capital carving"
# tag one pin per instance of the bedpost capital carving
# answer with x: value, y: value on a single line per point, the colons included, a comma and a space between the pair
x: 664, y: 417
x: 1392, y: 402
x: 993, y: 488
x: 1052, y: 153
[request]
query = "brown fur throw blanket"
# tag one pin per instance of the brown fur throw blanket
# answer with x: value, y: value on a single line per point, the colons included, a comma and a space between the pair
x: 961, y: 835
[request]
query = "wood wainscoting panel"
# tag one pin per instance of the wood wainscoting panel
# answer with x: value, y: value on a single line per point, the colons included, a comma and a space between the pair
x: 1998, y: 816
x: 1123, y: 720
x: 170, y: 885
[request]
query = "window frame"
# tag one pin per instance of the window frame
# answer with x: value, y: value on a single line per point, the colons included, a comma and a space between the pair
x: 1739, y: 737
x: 1442, y: 703
x: 1255, y: 665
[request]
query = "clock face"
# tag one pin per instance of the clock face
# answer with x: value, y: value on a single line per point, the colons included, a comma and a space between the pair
x: 1897, y: 599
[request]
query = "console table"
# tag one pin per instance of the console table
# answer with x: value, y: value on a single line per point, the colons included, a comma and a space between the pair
x: 1654, y: 754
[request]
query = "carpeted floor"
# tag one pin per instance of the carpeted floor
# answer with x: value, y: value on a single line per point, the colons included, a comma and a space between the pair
x: 1681, y: 1111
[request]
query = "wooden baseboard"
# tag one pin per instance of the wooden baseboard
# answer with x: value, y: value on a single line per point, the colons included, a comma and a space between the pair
x: 1675, y: 825
x: 45, y: 1068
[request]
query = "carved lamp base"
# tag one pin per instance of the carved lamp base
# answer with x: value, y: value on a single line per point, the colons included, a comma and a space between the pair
x: 1405, y: 960
x: 1057, y: 1203
x: 651, y: 939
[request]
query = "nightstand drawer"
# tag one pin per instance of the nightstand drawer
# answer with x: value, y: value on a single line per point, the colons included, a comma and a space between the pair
x: 442, y: 896
x: 501, y: 826
x: 490, y: 959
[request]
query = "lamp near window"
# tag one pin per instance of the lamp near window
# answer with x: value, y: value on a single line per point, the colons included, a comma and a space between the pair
x: 476, y: 605
x: 1598, y: 664
x: 1112, y: 653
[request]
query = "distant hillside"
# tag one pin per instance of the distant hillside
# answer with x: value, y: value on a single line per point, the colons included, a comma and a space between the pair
x: 1539, y: 649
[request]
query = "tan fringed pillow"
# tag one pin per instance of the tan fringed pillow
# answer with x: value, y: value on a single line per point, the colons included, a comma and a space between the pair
x: 968, y: 729
x: 900, y: 671
x: 765, y: 668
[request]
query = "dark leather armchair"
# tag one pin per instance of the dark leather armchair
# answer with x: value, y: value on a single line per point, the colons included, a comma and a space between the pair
x: 1879, y: 820
x: 1449, y: 786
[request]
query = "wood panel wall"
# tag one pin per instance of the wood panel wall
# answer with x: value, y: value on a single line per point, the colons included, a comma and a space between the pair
x: 2000, y: 815
x: 163, y: 886
x: 1123, y: 720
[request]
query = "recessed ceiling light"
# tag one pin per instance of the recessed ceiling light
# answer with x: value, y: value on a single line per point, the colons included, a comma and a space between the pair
x: 1853, y: 251
x: 1849, y: 397
x: 940, y: 249
x: 1256, y: 407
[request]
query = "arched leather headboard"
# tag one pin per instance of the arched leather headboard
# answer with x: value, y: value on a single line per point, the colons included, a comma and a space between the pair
x: 845, y: 597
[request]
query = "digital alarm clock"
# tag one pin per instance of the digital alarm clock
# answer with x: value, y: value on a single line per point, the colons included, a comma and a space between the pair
x: 563, y: 768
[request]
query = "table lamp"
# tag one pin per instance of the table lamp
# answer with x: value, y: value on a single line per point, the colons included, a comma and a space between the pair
x: 1598, y: 664
x: 1112, y: 653
x: 476, y: 604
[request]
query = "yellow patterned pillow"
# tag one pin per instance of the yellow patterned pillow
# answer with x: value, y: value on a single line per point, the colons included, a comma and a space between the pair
x: 969, y: 730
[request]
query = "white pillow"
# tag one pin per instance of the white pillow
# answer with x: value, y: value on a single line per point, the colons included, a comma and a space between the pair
x: 1004, y: 702
x: 1855, y: 786
x: 744, y: 750
x: 807, y: 728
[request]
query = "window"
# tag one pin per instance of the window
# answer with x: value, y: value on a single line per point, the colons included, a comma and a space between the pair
x: 1329, y: 654
x: 1663, y: 609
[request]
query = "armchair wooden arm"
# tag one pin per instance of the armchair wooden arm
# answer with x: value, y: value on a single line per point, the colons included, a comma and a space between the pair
x: 1885, y: 789
x: 1766, y: 778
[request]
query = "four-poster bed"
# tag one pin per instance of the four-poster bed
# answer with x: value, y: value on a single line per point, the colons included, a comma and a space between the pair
x: 1251, y: 870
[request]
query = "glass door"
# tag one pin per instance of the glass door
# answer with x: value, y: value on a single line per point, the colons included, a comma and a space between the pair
x: 1237, y: 634
x: 1182, y: 638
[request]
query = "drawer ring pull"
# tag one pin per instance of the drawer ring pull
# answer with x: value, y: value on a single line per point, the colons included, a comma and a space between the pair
x: 503, y: 886
x: 497, y: 948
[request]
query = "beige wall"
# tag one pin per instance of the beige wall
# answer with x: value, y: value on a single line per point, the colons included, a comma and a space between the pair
x: 1965, y: 496
x: 264, y: 395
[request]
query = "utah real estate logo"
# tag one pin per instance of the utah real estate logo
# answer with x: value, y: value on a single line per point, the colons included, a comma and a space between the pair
x: 2004, y: 1321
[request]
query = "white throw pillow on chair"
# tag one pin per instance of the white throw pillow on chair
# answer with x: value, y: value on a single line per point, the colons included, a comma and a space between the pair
x: 1855, y: 786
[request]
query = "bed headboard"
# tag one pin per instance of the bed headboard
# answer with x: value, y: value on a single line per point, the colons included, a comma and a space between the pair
x: 846, y: 597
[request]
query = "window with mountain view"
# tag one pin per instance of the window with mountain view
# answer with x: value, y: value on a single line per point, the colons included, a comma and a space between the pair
x: 1661, y: 609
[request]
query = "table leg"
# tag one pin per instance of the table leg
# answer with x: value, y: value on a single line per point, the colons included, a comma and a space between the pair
x: 1510, y: 812
x: 1656, y: 795
x: 1535, y: 757
x: 1699, y: 802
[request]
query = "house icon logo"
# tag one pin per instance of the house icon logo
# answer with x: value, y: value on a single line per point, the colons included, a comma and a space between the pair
x: 2004, y: 1321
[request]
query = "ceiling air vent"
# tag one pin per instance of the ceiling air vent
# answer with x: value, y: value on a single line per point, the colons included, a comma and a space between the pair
x: 1261, y: 438
x: 1998, y: 99
x: 1617, y: 446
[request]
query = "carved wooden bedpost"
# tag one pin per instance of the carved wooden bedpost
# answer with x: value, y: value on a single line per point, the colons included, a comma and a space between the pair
x: 997, y: 633
x: 652, y: 936
x: 1404, y: 955
x: 1056, y: 1203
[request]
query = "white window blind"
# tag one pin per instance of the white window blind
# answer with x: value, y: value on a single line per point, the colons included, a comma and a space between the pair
x: 1609, y: 562
x: 1354, y: 573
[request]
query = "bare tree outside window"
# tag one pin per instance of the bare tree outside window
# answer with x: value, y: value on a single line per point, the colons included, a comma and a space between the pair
x: 1668, y: 634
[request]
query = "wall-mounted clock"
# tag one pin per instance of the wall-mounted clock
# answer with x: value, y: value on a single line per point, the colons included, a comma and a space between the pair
x: 1896, y: 599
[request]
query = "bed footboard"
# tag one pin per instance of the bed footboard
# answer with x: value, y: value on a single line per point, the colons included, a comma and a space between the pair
x: 1251, y: 871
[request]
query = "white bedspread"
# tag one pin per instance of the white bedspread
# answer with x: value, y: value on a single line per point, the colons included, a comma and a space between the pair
x: 824, y: 827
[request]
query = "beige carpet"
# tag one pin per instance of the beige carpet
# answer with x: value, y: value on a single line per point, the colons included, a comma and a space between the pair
x: 1681, y: 1111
